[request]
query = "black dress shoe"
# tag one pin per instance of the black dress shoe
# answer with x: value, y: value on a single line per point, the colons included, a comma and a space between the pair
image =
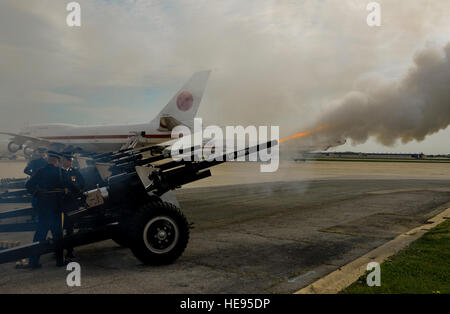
x: 25, y: 264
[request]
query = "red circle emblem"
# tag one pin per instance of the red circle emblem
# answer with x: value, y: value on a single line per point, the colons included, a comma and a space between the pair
x: 185, y: 101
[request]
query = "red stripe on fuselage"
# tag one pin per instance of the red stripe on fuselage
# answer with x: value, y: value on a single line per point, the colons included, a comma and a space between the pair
x: 94, y: 137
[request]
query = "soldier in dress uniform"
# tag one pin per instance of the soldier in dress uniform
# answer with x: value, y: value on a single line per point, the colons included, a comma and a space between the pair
x: 49, y: 188
x: 36, y: 163
x: 75, y: 183
x: 39, y: 161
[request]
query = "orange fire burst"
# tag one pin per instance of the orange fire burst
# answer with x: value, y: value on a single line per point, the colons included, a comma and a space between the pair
x: 302, y: 134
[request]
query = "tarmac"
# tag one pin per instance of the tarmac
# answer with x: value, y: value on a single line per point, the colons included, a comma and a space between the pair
x: 259, y: 233
x: 344, y: 276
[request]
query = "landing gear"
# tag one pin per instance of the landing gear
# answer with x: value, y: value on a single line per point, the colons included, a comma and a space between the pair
x: 28, y: 152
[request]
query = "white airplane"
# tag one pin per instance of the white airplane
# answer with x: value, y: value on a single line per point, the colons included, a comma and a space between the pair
x: 181, y: 109
x: 297, y: 148
x: 309, y: 145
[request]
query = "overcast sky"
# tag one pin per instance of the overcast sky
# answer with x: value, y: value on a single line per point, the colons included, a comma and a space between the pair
x: 279, y: 62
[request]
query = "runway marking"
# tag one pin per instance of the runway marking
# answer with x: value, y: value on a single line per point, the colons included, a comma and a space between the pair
x: 311, y: 272
x: 409, y: 190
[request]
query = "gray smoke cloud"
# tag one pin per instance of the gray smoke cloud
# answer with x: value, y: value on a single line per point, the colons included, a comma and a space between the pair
x: 407, y: 109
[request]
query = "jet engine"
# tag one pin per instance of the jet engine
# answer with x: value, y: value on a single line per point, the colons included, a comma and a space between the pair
x: 13, y: 147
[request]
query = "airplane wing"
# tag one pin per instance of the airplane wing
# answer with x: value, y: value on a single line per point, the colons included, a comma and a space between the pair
x: 25, y: 138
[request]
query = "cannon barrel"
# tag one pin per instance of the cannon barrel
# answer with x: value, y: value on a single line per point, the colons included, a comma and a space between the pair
x: 165, y: 177
x: 128, y: 159
x: 101, y: 156
x: 129, y: 165
x: 174, y: 174
x: 109, y: 157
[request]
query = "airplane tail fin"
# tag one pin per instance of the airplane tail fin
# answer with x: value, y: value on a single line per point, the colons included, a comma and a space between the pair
x: 183, y: 107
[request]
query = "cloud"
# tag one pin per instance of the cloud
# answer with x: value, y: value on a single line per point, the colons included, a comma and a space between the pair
x: 276, y: 62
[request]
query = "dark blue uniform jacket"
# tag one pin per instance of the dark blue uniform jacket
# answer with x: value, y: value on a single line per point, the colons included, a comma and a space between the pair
x: 48, y: 186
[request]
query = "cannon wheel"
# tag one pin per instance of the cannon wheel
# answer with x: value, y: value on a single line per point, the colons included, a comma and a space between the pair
x: 158, y: 233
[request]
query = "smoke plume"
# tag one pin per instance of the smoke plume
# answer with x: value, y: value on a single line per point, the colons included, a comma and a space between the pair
x: 407, y: 109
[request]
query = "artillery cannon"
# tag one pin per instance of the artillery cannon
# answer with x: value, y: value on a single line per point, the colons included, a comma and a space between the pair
x: 13, y: 191
x: 17, y: 196
x: 12, y: 183
x: 133, y: 204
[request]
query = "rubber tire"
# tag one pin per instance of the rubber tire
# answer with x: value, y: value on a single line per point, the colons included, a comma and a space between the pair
x: 137, y: 226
